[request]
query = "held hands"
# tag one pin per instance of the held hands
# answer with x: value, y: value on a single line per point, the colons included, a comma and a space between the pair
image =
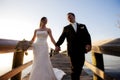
x: 57, y: 49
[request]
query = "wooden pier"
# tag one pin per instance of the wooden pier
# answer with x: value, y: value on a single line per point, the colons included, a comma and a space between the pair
x: 61, y: 61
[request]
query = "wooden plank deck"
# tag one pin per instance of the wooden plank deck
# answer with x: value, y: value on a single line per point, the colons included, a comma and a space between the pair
x: 62, y: 61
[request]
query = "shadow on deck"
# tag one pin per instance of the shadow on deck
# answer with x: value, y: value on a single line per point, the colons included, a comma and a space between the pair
x: 62, y: 61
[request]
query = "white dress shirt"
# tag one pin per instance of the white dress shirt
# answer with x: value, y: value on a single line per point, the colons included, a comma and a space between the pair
x: 74, y: 26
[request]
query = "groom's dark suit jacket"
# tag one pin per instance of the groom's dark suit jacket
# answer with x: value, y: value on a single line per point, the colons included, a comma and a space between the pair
x: 76, y: 41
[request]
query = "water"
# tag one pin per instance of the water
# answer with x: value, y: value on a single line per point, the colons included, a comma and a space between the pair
x: 6, y: 63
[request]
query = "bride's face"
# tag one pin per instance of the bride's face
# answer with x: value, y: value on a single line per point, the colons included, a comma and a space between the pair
x: 44, y: 21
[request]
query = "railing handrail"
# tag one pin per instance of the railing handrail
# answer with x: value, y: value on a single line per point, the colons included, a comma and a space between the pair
x: 15, y: 71
x: 109, y: 47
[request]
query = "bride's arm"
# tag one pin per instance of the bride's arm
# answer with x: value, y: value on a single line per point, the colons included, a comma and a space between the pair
x: 51, y: 36
x: 34, y: 36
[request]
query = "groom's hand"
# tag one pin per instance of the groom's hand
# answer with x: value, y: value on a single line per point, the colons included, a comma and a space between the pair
x: 88, y: 48
x: 57, y: 49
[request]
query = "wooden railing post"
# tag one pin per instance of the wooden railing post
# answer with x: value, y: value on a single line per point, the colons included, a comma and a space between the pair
x: 97, y: 60
x: 17, y: 61
x: 20, y: 49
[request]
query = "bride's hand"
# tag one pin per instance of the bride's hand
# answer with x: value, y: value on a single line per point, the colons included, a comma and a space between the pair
x: 30, y: 43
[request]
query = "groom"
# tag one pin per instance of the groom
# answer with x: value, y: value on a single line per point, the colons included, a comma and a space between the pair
x: 78, y: 43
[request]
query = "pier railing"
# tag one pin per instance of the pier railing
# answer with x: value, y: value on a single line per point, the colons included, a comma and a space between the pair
x: 19, y: 48
x: 111, y: 47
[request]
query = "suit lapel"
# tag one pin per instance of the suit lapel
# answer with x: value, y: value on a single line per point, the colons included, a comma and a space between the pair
x: 77, y: 28
x: 71, y: 28
x: 77, y: 25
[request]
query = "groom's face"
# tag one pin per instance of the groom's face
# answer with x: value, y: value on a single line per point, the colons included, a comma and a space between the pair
x: 71, y: 18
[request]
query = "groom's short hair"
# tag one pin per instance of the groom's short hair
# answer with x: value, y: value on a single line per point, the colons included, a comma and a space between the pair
x: 71, y: 14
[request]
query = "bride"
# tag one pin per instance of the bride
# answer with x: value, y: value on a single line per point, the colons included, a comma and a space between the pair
x: 42, y: 68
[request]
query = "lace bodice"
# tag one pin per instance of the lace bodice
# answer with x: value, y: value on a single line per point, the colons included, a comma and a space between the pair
x: 41, y: 36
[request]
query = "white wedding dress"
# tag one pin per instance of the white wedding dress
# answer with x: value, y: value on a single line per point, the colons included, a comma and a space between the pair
x: 42, y: 68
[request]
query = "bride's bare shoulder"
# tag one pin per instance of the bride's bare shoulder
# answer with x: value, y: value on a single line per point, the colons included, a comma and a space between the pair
x: 48, y: 30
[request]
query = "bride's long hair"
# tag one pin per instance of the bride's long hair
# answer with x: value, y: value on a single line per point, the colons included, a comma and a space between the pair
x: 41, y: 21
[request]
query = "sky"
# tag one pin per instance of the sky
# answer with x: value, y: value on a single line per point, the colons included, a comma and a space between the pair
x: 19, y: 18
